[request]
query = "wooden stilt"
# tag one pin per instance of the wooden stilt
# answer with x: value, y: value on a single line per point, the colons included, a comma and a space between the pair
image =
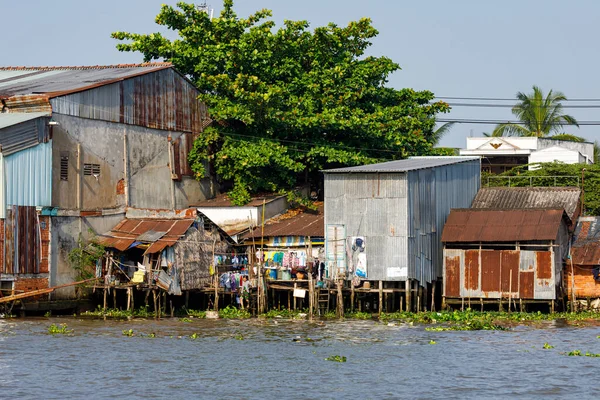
x: 311, y: 296
x: 132, y: 301
x: 401, y: 299
x: 156, y: 312
x: 425, y: 297
x: 295, y: 287
x: 172, y: 310
x: 408, y: 290
x: 351, y: 297
x: 105, y: 295
x: 481, y: 303
x: 433, y: 285
x: 380, y: 297
x: 128, y: 298
x: 443, y: 303
x: 340, y: 299
x: 115, y: 298
x: 552, y: 307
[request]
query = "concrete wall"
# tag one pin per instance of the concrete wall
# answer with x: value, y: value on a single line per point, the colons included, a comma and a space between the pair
x: 103, y: 143
x: 64, y: 236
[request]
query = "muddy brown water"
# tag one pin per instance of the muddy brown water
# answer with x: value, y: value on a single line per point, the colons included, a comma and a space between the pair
x: 277, y: 359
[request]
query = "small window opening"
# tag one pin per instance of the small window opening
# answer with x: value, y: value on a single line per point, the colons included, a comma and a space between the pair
x: 64, y: 166
x: 91, y: 169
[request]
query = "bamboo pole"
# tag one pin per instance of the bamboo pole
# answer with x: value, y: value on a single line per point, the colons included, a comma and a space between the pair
x: 216, y: 277
x: 380, y: 297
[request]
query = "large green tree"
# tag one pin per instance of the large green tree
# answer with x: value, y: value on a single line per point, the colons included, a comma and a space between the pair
x: 539, y: 115
x: 287, y: 101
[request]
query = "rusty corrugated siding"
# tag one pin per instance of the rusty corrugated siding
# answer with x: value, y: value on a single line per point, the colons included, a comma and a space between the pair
x: 162, y: 100
x: 495, y: 274
x: 128, y: 231
x: 586, y: 247
x: 303, y: 224
x: 468, y: 225
x: 567, y: 198
x: 22, y: 241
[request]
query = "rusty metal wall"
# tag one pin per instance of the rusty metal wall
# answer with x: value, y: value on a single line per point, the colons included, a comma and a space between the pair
x: 22, y: 242
x: 493, y: 274
x: 161, y: 100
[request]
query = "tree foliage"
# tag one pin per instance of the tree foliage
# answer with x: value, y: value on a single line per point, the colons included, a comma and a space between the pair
x: 539, y: 115
x: 288, y: 100
x: 556, y: 174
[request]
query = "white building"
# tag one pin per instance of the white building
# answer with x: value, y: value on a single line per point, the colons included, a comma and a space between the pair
x: 500, y: 154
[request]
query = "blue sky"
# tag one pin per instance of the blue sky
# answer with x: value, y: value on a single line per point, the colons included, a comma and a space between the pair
x: 461, y: 48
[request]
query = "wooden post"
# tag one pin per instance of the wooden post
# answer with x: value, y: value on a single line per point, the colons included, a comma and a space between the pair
x: 351, y: 297
x: 129, y: 298
x: 425, y: 297
x: 295, y: 286
x: 216, y: 278
x: 433, y: 285
x: 408, y: 290
x: 419, y: 292
x: 105, y: 292
x: 509, y: 291
x: 400, y: 309
x: 340, y: 299
x: 132, y: 301
x: 311, y: 296
x: 380, y: 297
x: 115, y: 297
x: 172, y: 311
x: 156, y: 312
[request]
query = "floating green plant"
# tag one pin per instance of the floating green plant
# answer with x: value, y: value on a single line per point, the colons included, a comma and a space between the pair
x: 61, y: 329
x: 194, y: 336
x: 339, y: 359
x: 432, y: 341
x: 185, y: 320
x: 128, y: 332
x: 548, y: 346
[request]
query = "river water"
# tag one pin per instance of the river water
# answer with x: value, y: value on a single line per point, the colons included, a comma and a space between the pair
x: 279, y: 359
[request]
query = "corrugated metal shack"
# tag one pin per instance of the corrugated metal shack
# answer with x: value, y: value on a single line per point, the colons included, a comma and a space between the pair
x: 509, y: 198
x: 384, y: 221
x: 582, y: 269
x: 293, y: 247
x: 504, y: 255
x: 118, y: 138
x: 174, y: 254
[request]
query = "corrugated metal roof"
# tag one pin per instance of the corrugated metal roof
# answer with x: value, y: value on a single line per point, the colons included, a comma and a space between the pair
x: 9, y: 119
x: 586, y: 248
x: 566, y: 198
x: 129, y: 231
x: 410, y: 164
x: 305, y: 223
x: 473, y: 226
x: 54, y: 81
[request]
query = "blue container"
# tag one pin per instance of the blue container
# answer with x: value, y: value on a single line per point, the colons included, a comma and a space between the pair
x: 273, y: 273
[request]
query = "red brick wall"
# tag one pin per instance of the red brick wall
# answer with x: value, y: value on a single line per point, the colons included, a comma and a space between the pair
x: 24, y: 285
x: 45, y: 237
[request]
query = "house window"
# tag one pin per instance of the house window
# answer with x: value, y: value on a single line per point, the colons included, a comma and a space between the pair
x: 91, y: 169
x: 64, y: 166
x: 6, y: 287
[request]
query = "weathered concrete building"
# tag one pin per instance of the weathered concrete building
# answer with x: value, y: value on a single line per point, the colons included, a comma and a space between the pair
x: 383, y: 222
x: 83, y: 144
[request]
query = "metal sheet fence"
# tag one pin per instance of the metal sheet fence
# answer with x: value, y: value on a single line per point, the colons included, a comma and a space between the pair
x: 495, y: 274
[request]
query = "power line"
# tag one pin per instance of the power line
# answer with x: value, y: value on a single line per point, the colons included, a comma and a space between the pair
x: 512, y: 105
x: 498, y: 98
x: 503, y: 121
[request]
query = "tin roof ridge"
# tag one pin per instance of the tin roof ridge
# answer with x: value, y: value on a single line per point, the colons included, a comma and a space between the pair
x: 83, y: 67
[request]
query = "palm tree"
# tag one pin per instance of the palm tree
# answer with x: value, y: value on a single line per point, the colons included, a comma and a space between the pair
x: 538, y: 115
x: 437, y: 135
